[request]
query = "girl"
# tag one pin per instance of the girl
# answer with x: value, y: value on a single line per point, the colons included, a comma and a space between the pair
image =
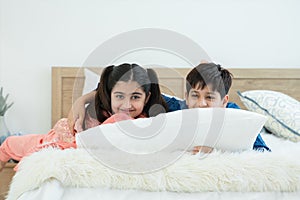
x: 127, y: 91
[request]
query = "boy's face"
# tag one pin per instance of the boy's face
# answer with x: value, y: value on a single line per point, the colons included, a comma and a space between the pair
x: 205, y: 98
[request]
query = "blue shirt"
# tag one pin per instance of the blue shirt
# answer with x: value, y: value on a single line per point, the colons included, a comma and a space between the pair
x: 178, y: 104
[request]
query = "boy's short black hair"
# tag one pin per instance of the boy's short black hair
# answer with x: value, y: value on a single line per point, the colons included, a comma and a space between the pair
x: 212, y: 74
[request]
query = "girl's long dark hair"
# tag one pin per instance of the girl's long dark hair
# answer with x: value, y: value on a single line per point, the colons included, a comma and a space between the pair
x: 146, y: 78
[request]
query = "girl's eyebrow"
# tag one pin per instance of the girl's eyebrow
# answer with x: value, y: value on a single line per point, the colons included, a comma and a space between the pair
x: 118, y: 92
x: 137, y: 93
x: 134, y: 93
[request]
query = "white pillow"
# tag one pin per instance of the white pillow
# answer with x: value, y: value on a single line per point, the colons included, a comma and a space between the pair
x: 221, y: 128
x: 283, y: 111
x: 91, y: 81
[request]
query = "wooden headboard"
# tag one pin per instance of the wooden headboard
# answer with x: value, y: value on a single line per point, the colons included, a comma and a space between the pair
x: 67, y: 84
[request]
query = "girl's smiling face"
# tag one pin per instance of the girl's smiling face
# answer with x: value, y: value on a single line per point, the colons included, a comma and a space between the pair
x: 129, y: 98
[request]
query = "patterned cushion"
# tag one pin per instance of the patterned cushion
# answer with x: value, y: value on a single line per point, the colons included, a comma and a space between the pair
x: 283, y: 111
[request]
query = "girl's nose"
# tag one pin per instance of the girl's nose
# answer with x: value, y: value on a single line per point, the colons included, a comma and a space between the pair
x: 127, y: 104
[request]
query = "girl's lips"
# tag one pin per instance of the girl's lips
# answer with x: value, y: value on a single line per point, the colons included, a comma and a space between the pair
x: 126, y: 111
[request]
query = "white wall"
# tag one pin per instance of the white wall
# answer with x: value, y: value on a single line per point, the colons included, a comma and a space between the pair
x: 38, y: 34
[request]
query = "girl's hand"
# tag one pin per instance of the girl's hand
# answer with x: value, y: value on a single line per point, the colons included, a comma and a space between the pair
x: 76, y: 116
x: 77, y: 112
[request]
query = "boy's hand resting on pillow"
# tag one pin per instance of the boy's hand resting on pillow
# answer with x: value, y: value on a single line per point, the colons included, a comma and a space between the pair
x: 203, y: 149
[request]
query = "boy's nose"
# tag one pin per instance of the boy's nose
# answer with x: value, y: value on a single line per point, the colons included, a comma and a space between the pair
x: 202, y: 103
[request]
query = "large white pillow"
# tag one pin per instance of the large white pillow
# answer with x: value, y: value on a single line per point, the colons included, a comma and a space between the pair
x: 283, y: 111
x: 221, y: 128
x: 148, y: 144
x: 91, y: 81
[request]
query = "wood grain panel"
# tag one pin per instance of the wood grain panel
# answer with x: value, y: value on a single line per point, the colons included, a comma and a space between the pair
x: 65, y: 79
x: 5, y: 179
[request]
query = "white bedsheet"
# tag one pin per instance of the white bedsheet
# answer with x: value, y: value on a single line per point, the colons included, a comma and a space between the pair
x: 54, y: 190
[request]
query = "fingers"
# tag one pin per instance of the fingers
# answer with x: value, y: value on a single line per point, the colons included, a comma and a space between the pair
x: 194, y: 152
x: 76, y: 116
x: 78, y: 125
x: 71, y: 122
x: 203, y: 149
x: 71, y: 125
x: 75, y: 121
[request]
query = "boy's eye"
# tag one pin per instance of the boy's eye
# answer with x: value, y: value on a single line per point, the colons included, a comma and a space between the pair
x: 210, y: 97
x: 194, y: 95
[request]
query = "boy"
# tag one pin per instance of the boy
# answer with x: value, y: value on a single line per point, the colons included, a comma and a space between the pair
x: 207, y: 85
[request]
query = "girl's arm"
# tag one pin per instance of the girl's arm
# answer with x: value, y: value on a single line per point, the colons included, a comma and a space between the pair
x: 77, y: 113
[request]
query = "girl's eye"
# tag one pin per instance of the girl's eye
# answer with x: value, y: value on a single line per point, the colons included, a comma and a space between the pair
x: 135, y: 97
x: 119, y: 96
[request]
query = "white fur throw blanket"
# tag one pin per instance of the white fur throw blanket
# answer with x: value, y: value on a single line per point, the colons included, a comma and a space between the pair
x: 240, y: 172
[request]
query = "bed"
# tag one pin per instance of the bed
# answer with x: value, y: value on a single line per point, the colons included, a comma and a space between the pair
x: 281, y: 167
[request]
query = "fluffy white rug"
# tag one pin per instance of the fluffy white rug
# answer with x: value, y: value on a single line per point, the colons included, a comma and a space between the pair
x: 240, y: 172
